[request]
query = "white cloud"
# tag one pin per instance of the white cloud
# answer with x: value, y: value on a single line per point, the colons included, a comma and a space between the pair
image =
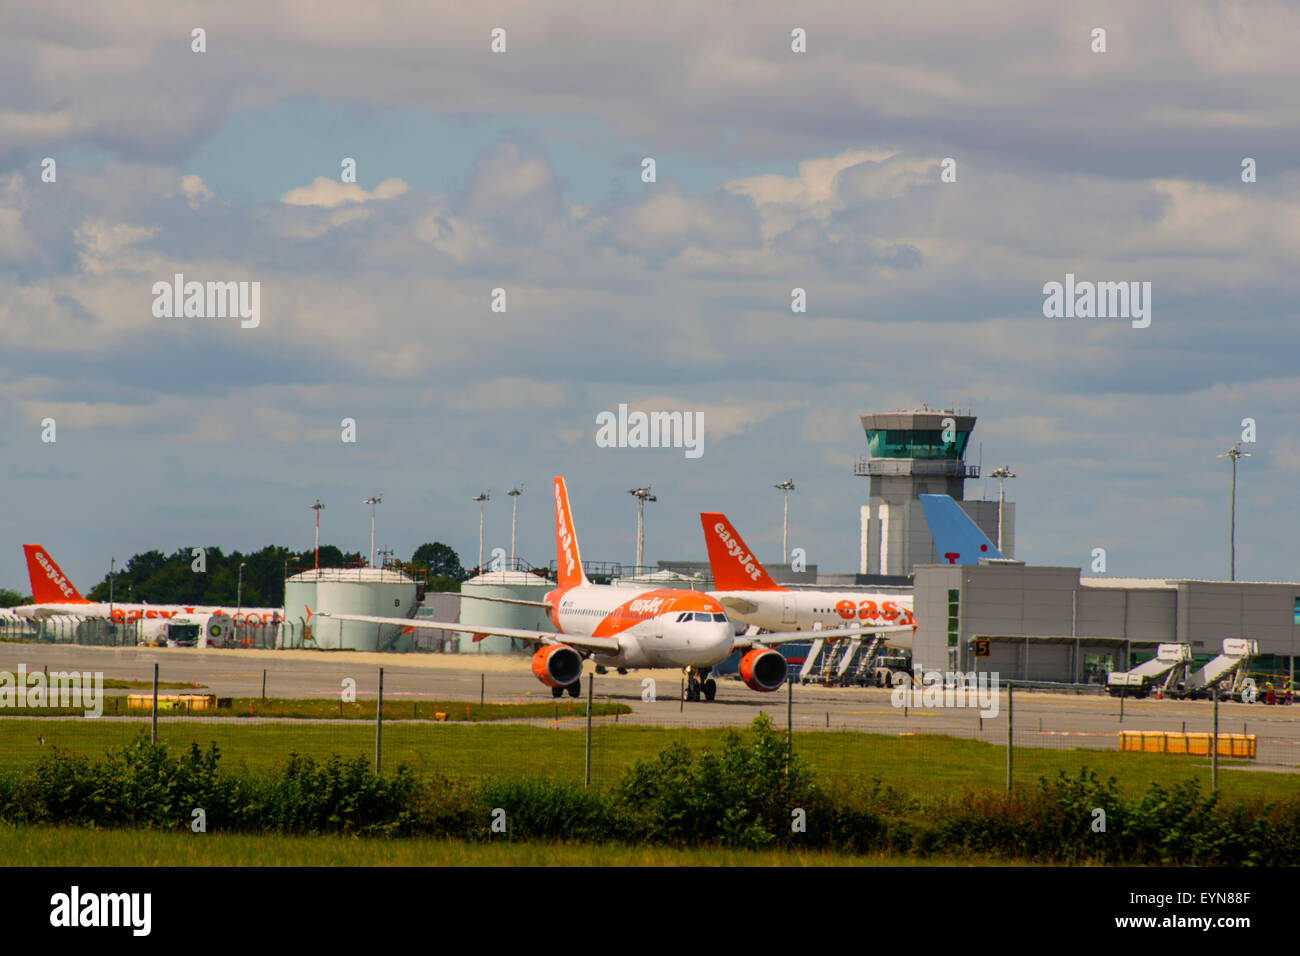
x: 329, y: 193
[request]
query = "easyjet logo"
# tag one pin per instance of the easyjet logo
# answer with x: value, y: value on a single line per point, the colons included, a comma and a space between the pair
x: 645, y: 605
x: 57, y: 579
x: 153, y: 614
x: 737, y: 551
x: 868, y: 611
x: 562, y: 530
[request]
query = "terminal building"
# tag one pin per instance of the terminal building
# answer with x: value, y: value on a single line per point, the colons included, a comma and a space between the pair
x: 1052, y: 624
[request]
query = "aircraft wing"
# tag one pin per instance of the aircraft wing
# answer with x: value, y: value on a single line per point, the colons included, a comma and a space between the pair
x: 599, y: 645
x: 501, y: 600
x: 826, y: 633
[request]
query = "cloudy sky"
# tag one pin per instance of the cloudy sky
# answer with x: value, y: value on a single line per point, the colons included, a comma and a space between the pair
x: 523, y: 170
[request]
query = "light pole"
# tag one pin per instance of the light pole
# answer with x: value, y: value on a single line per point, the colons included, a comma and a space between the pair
x: 642, y: 495
x: 480, y: 498
x: 239, y: 588
x: 111, y: 563
x: 1234, y: 453
x: 377, y: 499
x: 317, y: 508
x: 787, y: 486
x: 1001, y: 474
x: 514, y: 494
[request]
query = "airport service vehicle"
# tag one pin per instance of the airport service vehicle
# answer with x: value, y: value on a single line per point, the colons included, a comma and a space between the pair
x: 743, y: 586
x: 53, y: 594
x: 190, y: 630
x: 627, y: 628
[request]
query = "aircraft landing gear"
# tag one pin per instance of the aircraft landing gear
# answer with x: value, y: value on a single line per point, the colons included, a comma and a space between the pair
x: 698, y: 684
x: 575, y: 689
x: 557, y: 691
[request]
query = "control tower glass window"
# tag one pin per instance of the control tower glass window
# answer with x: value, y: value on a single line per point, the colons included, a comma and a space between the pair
x: 916, y: 443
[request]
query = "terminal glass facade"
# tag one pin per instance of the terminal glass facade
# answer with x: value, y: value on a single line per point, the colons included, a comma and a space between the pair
x: 916, y: 443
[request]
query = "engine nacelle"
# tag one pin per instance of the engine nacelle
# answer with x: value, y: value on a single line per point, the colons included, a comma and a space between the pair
x: 763, y: 669
x: 557, y: 665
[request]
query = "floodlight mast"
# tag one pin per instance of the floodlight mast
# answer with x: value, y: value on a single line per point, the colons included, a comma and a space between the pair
x: 372, y: 501
x: 787, y: 486
x: 514, y: 494
x: 642, y: 495
x: 1001, y: 474
x: 1234, y: 453
x: 480, y: 498
x: 317, y: 508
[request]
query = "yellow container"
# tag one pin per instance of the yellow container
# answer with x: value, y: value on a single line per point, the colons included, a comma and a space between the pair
x: 1130, y: 740
x: 1153, y: 741
x: 1198, y: 745
x: 1175, y: 743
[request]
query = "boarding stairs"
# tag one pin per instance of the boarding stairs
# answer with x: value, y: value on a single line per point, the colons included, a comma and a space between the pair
x: 1163, y: 672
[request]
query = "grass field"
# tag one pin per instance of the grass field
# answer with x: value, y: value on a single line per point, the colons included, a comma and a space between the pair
x: 920, y: 765
x: 316, y: 708
x: 70, y: 846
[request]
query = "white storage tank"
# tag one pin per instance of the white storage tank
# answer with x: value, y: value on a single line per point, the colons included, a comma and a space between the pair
x: 516, y: 585
x: 370, y: 591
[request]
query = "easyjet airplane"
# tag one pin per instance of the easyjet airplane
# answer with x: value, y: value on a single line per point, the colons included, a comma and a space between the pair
x: 626, y: 628
x: 743, y: 586
x: 53, y: 594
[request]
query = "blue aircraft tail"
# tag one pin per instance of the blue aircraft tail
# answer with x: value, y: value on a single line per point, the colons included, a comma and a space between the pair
x: 957, y: 539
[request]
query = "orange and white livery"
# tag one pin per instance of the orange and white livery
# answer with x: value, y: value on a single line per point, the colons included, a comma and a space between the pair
x: 626, y: 628
x: 53, y: 594
x: 743, y: 586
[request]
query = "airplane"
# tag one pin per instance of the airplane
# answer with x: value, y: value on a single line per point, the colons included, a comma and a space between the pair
x: 743, y: 586
x: 957, y: 539
x: 53, y: 594
x: 626, y: 628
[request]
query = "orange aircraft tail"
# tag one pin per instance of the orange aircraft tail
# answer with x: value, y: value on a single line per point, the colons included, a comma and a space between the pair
x: 568, y: 560
x: 49, y: 584
x: 734, y: 566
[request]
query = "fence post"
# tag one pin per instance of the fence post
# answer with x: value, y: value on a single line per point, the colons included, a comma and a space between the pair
x: 153, y: 737
x: 263, y: 683
x: 379, y: 721
x: 789, y: 721
x: 482, y: 684
x: 1214, y: 744
x: 591, y: 680
x: 1010, y: 711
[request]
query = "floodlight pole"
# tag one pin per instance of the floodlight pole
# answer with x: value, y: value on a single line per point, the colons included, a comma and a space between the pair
x: 1001, y: 474
x: 317, y: 508
x: 787, y: 486
x: 377, y: 499
x: 642, y: 495
x: 480, y: 498
x: 514, y: 494
x: 1234, y: 453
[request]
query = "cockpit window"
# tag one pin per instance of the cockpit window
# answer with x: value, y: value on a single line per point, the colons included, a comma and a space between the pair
x: 699, y: 616
x: 721, y: 618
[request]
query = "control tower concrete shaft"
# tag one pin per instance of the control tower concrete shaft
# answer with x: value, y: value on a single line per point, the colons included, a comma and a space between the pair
x: 915, y: 453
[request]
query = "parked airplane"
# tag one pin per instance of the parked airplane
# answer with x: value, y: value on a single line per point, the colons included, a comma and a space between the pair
x: 957, y: 539
x: 627, y: 628
x: 743, y: 586
x: 53, y: 594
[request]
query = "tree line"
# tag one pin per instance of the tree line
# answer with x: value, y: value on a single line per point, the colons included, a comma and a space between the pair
x: 212, y: 575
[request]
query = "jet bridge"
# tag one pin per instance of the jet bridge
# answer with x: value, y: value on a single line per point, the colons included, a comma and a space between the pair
x: 1163, y: 671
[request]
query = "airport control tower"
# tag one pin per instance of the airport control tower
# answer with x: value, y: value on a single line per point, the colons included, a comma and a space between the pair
x: 918, y: 453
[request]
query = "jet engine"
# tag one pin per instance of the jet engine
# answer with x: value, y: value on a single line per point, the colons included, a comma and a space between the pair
x: 557, y: 665
x: 763, y: 669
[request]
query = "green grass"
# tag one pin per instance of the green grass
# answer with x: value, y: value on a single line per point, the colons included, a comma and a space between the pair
x: 315, y: 708
x: 69, y: 846
x: 921, y: 765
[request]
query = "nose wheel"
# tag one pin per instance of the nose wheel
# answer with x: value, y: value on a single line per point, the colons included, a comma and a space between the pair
x: 699, y: 684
